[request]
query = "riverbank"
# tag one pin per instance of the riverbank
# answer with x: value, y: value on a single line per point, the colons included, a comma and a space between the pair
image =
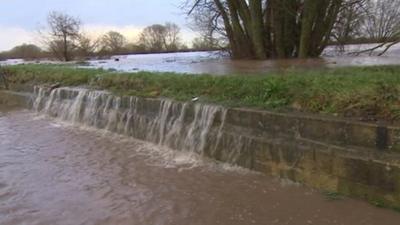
x: 361, y: 93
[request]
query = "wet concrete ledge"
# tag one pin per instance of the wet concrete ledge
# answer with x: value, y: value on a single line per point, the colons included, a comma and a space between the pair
x: 353, y: 158
x: 14, y: 99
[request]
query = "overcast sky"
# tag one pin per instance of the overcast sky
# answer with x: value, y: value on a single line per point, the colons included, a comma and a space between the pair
x: 20, y: 19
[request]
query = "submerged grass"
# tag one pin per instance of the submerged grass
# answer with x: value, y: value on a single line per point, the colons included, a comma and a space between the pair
x: 370, y: 93
x: 332, y: 196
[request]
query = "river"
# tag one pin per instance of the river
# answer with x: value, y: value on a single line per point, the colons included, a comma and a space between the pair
x: 218, y: 63
x: 53, y: 172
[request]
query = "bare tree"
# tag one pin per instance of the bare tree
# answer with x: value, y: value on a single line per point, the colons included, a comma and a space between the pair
x: 381, y: 25
x: 205, y: 43
x: 159, y: 37
x: 348, y: 27
x: 172, y: 38
x: 63, y: 32
x: 113, y: 42
x: 152, y: 37
x: 86, y: 46
x: 211, y: 34
x: 383, y: 20
x: 260, y: 29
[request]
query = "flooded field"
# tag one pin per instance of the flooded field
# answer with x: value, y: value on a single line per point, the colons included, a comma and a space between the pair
x: 214, y: 63
x: 55, y: 173
x: 219, y: 63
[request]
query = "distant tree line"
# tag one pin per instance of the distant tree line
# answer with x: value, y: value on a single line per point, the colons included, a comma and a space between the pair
x: 64, y: 40
x: 24, y: 51
x: 261, y: 29
x: 253, y: 29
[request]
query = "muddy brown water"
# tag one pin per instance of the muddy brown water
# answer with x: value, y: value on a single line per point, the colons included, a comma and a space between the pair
x: 218, y: 63
x: 53, y: 173
x: 201, y: 63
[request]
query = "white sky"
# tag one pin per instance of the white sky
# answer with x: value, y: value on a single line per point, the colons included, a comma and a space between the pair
x: 20, y: 19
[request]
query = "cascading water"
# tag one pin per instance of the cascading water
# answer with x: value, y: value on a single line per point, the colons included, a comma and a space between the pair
x: 180, y: 126
x: 51, y: 174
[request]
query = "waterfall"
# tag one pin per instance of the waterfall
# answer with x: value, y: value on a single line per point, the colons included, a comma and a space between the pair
x: 181, y: 126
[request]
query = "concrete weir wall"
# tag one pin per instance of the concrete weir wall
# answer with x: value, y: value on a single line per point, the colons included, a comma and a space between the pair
x: 352, y: 158
x: 12, y: 99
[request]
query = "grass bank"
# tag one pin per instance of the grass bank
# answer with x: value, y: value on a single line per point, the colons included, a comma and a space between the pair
x: 366, y: 93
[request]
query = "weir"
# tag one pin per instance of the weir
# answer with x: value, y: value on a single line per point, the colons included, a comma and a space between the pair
x: 180, y: 126
x: 352, y: 158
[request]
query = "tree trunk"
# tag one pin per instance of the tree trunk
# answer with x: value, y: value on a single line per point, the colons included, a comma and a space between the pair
x: 244, y: 45
x: 228, y: 28
x: 260, y: 29
x: 65, y: 48
x: 257, y: 27
x: 307, y: 23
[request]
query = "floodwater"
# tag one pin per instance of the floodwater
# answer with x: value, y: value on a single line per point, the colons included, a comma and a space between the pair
x: 59, y: 174
x: 218, y: 63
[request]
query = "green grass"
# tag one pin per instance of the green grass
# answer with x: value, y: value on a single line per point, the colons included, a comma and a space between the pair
x: 360, y: 92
